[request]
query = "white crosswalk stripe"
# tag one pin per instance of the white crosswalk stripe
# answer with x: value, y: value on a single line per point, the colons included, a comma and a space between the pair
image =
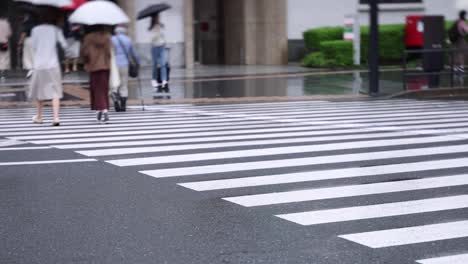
x: 410, y: 235
x: 272, y: 155
x: 348, y: 191
x: 454, y: 259
x: 325, y: 175
x: 377, y: 211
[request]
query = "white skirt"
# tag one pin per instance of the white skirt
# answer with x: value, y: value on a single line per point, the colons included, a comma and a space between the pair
x: 46, y: 84
x: 73, y: 49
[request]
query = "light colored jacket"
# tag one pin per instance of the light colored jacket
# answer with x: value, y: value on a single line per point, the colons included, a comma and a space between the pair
x: 123, y: 46
x: 158, y: 37
x: 44, y: 39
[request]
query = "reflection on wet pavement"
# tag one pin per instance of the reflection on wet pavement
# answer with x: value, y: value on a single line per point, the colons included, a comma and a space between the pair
x: 299, y: 84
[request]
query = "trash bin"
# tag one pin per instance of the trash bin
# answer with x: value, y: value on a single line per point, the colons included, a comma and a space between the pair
x: 433, y: 39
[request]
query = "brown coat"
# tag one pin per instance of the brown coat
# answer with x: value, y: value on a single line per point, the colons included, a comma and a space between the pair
x: 96, y: 51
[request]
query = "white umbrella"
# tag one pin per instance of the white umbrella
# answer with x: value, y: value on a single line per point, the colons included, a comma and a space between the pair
x: 461, y: 4
x: 99, y: 13
x: 55, y: 3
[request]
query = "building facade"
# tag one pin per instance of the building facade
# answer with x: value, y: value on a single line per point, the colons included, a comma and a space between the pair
x: 267, y: 32
x: 253, y: 32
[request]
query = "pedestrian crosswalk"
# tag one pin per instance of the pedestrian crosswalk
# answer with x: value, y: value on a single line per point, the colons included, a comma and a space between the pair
x: 405, y: 157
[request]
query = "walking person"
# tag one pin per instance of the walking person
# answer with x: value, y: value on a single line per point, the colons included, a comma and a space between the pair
x: 5, y: 34
x: 460, y: 43
x: 96, y: 54
x: 158, y: 41
x: 46, y: 82
x: 124, y: 52
x: 72, y: 54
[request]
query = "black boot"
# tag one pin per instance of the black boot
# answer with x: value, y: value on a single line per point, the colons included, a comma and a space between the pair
x: 123, y: 104
x: 116, y: 99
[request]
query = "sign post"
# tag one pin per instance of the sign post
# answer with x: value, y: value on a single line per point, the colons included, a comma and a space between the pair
x: 352, y: 32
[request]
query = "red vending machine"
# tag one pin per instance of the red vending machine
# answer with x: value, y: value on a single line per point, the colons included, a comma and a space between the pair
x: 414, y: 37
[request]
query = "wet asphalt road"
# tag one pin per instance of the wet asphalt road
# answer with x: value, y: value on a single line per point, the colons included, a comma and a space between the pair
x: 91, y: 211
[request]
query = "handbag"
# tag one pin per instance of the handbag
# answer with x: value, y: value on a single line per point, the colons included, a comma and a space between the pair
x: 114, y: 76
x: 133, y: 66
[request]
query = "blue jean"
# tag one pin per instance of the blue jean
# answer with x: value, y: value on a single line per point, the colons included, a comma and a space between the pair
x: 159, y: 58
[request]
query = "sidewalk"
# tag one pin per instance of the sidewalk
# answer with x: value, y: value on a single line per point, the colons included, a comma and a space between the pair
x: 208, y: 84
x: 17, y: 78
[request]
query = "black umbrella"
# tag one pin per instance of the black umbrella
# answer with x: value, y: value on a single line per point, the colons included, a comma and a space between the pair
x: 153, y: 10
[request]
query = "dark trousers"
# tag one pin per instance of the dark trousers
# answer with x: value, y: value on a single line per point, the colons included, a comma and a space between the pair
x: 99, y: 90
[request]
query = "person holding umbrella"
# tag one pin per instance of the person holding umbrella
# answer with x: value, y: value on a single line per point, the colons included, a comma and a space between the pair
x: 73, y: 37
x: 158, y: 41
x: 96, y: 49
x: 46, y: 82
x: 96, y: 54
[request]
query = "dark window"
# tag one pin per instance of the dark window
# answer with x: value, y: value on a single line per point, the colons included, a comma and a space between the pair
x: 365, y: 2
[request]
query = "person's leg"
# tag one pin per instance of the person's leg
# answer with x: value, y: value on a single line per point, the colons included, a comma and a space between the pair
x: 154, y: 54
x: 162, y: 63
x: 56, y: 110
x: 75, y: 64
x: 123, y: 88
x: 459, y: 57
x: 38, y: 117
x: 93, y: 84
x: 104, y: 94
x: 67, y: 65
x: 39, y: 108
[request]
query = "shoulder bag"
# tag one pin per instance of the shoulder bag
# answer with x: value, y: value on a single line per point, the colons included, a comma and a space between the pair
x: 133, y: 67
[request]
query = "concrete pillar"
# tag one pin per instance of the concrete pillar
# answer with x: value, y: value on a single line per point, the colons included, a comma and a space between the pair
x: 188, y: 34
x: 255, y: 32
x: 234, y: 32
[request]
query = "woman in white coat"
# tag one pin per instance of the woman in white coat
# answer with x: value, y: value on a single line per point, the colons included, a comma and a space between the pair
x: 46, y: 82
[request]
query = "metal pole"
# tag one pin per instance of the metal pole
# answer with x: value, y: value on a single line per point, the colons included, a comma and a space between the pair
x: 374, y: 48
x: 452, y: 64
x: 405, y: 54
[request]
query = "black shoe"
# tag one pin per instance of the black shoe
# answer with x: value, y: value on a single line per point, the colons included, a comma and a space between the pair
x: 99, y: 117
x: 56, y: 124
x: 116, y: 99
x: 123, y: 104
x: 117, y: 106
x: 106, y: 118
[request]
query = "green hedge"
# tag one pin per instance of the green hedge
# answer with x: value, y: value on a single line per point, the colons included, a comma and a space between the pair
x: 391, y: 42
x: 391, y: 45
x: 316, y: 59
x: 313, y: 37
x: 333, y: 53
x: 340, y: 50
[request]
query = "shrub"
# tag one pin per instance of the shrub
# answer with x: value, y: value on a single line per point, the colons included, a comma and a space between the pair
x: 315, y: 59
x: 391, y: 42
x: 313, y: 37
x: 339, y: 52
x: 333, y: 53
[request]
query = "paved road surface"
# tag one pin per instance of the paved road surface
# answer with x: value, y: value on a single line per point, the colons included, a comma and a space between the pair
x: 298, y: 182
